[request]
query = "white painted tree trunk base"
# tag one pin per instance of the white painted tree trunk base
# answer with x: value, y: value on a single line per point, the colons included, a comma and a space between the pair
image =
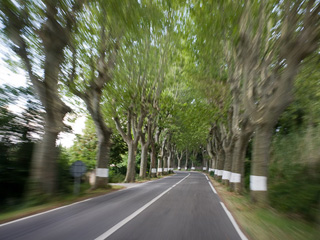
x: 102, y: 172
x: 235, y: 178
x: 258, y: 183
x: 226, y: 175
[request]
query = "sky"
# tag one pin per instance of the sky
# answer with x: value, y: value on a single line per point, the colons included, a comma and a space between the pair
x: 6, y: 75
x: 66, y: 139
x: 19, y: 79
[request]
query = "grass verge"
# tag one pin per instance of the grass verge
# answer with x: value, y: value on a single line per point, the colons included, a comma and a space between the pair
x: 27, y: 209
x: 264, y: 223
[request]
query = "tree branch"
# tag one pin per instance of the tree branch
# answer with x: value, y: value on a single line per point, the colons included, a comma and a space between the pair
x: 120, y: 130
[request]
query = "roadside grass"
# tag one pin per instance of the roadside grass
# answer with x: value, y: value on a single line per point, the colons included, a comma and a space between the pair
x: 264, y: 223
x: 33, y: 207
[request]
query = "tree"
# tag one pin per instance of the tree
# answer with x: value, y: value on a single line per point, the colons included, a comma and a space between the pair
x: 141, y: 74
x: 208, y: 36
x: 133, y: 102
x: 145, y: 142
x: 179, y: 157
x: 272, y: 45
x: 89, y: 80
x: 34, y: 31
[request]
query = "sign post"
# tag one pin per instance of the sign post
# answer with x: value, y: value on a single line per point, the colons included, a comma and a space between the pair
x: 78, y: 168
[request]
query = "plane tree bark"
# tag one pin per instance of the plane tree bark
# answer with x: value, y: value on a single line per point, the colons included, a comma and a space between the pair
x: 161, y: 163
x: 229, y: 140
x: 154, y: 150
x: 179, y: 157
x: 219, y: 152
x: 194, y: 158
x: 212, y: 160
x: 131, y: 137
x: 270, y: 56
x: 241, y: 126
x: 145, y: 146
x: 240, y: 148
x: 170, y: 157
x: 187, y: 159
x: 205, y: 161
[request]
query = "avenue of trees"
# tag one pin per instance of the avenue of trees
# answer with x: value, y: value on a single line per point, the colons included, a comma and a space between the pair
x: 228, y: 87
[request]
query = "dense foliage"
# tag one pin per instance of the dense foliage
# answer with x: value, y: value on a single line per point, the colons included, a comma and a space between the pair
x: 19, y: 132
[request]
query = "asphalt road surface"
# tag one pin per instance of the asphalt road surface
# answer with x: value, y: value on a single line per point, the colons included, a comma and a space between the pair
x: 182, y: 206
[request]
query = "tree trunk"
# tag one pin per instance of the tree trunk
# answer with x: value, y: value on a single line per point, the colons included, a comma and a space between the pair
x: 165, y: 164
x: 212, y: 161
x: 143, y: 164
x: 162, y: 160
x: 160, y: 169
x: 192, y: 167
x: 44, y: 160
x: 237, y: 175
x: 102, y: 171
x: 170, y: 161
x: 213, y: 164
x: 131, y: 171
x: 259, y: 165
x: 227, y: 166
x: 220, y: 165
x: 186, y: 165
x: 44, y: 164
x: 204, y: 162
x: 179, y: 163
x: 153, y: 169
x: 216, y: 171
x: 92, y: 100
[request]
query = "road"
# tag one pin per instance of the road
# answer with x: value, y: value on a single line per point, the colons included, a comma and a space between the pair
x: 182, y: 206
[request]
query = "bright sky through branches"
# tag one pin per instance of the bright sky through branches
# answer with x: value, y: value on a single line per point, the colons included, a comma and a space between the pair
x: 19, y: 79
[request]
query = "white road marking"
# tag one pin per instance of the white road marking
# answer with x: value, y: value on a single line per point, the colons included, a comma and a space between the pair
x: 213, y: 189
x: 234, y: 223
x: 38, y: 214
x: 136, y: 213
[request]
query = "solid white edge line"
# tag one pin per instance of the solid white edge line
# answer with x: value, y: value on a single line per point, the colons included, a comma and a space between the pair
x: 234, y: 223
x: 137, y: 212
x: 213, y: 189
x: 38, y: 214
